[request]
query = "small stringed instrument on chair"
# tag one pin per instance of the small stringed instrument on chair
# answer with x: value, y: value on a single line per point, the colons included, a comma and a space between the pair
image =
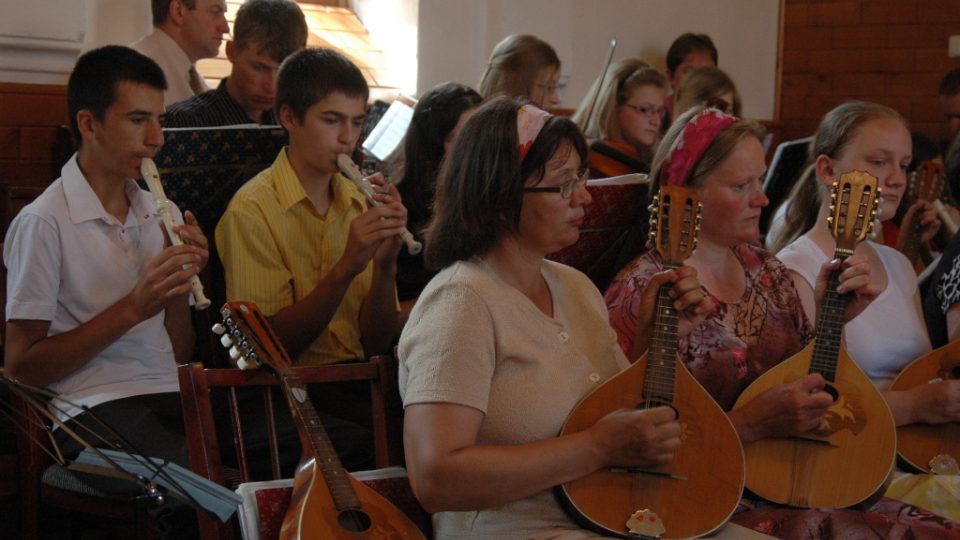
x: 327, y: 502
x: 926, y: 185
x: 700, y: 489
x: 930, y: 448
x: 849, y: 456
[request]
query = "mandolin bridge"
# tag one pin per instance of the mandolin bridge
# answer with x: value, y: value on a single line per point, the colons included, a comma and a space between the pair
x: 646, y: 472
x: 814, y: 440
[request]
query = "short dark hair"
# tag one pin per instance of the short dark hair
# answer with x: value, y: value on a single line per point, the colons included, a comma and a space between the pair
x: 278, y: 27
x: 310, y: 75
x: 480, y: 189
x: 436, y: 114
x: 161, y: 8
x: 93, y: 82
x: 686, y: 44
x: 950, y: 84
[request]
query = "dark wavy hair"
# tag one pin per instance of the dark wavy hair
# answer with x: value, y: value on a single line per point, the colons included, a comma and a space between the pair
x: 436, y: 114
x: 480, y: 189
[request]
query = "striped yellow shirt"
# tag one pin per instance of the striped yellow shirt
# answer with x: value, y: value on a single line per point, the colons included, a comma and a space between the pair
x: 275, y: 247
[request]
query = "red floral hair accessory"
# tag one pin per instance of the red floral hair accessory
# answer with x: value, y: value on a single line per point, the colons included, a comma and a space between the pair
x: 530, y: 121
x: 690, y: 145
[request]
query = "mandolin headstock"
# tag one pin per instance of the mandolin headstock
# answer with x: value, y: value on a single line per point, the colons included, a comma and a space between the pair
x: 927, y: 181
x: 251, y: 342
x: 674, y: 223
x: 853, y: 209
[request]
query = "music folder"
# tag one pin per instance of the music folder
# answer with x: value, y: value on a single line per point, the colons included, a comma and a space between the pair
x: 177, y: 480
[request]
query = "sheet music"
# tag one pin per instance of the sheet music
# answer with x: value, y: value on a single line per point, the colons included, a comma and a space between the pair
x: 634, y: 178
x: 213, y: 497
x: 388, y: 133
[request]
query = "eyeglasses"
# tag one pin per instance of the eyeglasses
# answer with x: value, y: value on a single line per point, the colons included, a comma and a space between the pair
x: 551, y: 88
x: 647, y: 109
x: 566, y: 189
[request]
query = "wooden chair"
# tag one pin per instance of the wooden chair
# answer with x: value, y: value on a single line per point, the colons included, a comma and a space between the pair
x: 196, y: 383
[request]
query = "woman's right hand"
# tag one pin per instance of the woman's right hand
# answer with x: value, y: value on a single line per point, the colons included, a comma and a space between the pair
x: 785, y: 410
x: 636, y: 438
x: 691, y: 302
x: 855, y: 278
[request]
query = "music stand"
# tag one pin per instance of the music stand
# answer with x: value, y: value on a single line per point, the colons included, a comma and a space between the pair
x: 116, y: 458
x: 785, y: 167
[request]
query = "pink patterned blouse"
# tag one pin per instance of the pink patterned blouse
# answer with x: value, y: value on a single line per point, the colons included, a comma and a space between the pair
x: 738, y: 341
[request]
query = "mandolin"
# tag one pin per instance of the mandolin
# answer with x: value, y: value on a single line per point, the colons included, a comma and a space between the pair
x: 850, y: 454
x: 327, y: 502
x: 697, y: 492
x: 926, y: 184
x: 930, y: 448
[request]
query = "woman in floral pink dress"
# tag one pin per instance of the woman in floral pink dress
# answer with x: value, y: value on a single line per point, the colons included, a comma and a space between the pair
x: 758, y: 320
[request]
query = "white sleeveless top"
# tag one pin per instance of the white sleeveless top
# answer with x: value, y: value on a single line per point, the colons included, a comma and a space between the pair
x: 890, y: 333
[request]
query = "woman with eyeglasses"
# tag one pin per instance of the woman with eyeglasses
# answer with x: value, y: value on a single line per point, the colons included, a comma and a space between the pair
x: 708, y: 86
x: 503, y: 343
x: 622, y: 117
x: 523, y: 66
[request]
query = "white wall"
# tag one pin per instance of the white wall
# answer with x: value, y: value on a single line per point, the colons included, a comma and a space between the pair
x: 41, y: 39
x: 456, y: 37
x: 393, y: 28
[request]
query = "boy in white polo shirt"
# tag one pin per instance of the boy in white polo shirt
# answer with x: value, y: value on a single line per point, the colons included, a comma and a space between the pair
x: 97, y: 302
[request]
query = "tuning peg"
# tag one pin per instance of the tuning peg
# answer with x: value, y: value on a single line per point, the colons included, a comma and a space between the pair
x: 218, y: 329
x: 242, y: 364
x: 226, y: 341
x: 234, y: 352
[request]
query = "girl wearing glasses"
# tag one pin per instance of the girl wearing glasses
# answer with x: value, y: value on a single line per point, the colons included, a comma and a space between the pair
x: 523, y: 66
x: 622, y: 118
x: 503, y: 343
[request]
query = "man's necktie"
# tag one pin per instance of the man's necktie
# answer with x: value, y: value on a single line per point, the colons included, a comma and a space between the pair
x: 196, y: 83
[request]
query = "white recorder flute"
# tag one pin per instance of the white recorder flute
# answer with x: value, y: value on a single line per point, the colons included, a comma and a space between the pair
x: 152, y: 177
x: 350, y: 170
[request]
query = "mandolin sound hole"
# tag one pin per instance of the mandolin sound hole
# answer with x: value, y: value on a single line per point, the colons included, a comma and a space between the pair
x: 354, y: 520
x: 832, y: 390
x: 955, y: 372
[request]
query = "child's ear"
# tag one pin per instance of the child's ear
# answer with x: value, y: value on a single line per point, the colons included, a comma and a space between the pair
x: 825, y: 168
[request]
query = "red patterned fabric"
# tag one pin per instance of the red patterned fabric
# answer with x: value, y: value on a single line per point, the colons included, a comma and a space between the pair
x: 530, y: 121
x: 888, y: 519
x: 615, y: 211
x: 272, y: 504
x: 691, y: 144
x: 738, y: 341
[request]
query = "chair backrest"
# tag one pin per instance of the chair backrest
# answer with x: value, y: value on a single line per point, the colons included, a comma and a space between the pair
x: 613, y: 231
x: 785, y: 168
x: 196, y: 383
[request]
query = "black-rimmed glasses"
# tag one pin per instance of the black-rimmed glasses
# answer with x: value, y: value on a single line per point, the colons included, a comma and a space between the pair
x: 566, y: 189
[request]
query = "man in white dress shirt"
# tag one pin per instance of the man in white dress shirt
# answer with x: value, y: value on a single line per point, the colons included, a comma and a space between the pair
x: 184, y: 31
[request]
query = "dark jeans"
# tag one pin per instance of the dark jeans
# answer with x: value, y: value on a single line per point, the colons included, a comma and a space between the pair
x: 153, y: 425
